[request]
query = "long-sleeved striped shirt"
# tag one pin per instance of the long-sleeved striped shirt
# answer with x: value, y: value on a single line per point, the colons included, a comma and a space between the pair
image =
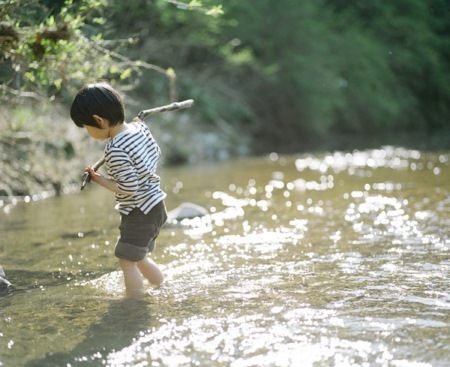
x: 131, y: 159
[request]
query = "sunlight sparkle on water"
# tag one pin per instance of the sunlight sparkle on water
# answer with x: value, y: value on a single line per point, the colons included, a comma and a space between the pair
x: 395, y: 158
x: 330, y: 259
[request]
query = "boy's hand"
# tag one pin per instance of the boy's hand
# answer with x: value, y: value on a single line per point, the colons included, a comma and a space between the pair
x: 108, y: 183
x: 94, y: 174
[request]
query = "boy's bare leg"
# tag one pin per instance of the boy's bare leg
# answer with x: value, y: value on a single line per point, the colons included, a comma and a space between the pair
x: 151, y: 271
x: 132, y: 277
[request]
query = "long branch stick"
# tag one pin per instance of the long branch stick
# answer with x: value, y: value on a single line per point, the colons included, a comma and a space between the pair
x: 170, y: 107
x: 86, y: 178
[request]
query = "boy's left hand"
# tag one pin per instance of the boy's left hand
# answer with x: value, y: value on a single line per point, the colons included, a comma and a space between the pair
x: 94, y: 174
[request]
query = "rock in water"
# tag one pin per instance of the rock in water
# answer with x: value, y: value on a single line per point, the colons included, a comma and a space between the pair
x: 185, y: 211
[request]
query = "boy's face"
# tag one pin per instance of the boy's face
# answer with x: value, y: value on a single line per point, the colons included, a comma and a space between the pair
x: 97, y: 133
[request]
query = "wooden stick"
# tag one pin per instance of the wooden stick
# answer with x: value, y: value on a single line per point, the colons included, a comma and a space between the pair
x: 170, y: 107
x: 86, y: 178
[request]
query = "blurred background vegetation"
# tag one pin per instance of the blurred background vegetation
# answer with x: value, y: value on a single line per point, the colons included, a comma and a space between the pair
x: 266, y: 75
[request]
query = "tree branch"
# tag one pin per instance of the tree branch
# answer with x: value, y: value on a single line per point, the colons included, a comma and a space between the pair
x: 169, y: 73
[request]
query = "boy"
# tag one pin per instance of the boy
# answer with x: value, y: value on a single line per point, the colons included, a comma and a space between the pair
x: 131, y: 156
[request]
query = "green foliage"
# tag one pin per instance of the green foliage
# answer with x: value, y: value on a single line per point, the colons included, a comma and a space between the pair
x: 184, y: 40
x: 315, y: 67
x: 282, y: 71
x: 414, y: 48
x: 52, y: 46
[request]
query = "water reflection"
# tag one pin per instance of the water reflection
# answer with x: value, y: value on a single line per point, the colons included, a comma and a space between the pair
x: 338, y: 259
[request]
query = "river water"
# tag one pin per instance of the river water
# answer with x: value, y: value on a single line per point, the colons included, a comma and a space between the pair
x: 327, y: 259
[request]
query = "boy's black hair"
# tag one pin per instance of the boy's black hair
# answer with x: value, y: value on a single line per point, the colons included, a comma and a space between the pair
x: 97, y: 99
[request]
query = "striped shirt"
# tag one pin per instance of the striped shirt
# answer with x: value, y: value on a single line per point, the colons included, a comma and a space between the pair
x: 131, y: 159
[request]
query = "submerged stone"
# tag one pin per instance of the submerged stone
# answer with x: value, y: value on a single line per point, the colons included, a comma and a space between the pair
x: 186, y: 211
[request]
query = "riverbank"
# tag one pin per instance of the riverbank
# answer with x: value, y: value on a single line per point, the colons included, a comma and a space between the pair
x: 34, y: 165
x: 43, y: 152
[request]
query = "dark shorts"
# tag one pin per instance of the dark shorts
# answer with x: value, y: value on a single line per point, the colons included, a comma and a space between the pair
x: 138, y: 232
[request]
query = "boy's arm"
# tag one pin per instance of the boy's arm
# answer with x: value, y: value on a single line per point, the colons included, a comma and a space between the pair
x: 108, y: 183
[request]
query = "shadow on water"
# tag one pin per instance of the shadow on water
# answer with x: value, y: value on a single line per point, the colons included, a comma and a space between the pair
x: 27, y: 281
x: 123, y: 321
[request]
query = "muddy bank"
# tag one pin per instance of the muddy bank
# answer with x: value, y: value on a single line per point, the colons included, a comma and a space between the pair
x: 33, y: 165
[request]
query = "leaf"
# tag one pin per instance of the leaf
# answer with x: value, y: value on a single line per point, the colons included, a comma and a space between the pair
x: 215, y: 11
x: 170, y: 72
x: 30, y: 76
x: 126, y: 73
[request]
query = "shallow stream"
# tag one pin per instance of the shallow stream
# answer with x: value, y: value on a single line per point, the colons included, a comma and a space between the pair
x: 330, y: 259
